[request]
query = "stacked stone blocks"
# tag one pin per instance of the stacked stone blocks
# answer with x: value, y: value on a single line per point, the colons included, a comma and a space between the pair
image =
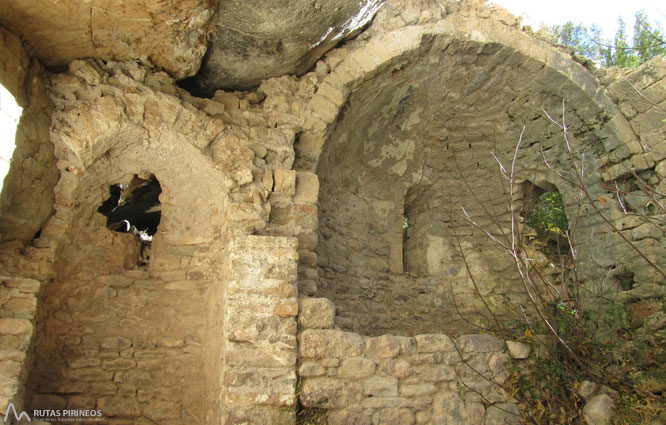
x: 259, y: 336
x: 389, y: 379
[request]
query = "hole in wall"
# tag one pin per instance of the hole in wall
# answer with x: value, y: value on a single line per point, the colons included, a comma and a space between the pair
x: 135, y: 208
x: 10, y: 114
x: 626, y: 280
x: 544, y: 212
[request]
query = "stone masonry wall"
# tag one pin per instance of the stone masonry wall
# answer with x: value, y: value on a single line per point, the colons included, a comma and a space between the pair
x: 641, y: 98
x: 17, y: 313
x: 259, y: 336
x: 300, y: 189
x: 426, y: 379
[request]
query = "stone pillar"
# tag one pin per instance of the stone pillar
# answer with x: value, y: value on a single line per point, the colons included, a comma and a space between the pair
x: 17, y: 314
x: 259, y: 372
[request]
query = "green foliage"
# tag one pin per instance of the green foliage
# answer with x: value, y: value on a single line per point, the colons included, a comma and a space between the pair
x: 613, y: 352
x: 648, y: 41
x: 549, y: 216
x: 405, y: 222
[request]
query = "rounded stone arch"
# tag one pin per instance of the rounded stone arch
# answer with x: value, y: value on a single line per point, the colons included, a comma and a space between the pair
x: 427, y: 106
x: 98, y: 297
x: 193, y: 197
x: 538, y: 60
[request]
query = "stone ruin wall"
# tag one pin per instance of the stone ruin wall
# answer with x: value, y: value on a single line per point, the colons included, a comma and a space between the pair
x: 263, y: 202
x: 425, y: 379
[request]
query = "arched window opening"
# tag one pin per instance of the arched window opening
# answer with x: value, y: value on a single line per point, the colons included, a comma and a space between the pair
x: 135, y: 208
x: 10, y: 113
x: 545, y: 215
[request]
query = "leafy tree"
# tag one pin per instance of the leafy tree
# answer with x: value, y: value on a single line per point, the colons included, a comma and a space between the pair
x: 648, y: 41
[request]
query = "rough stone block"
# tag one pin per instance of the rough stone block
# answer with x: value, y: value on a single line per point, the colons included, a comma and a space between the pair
x: 407, y: 345
x: 382, y: 347
x: 333, y: 94
x: 323, y: 108
x: 316, y: 313
x: 518, y: 350
x: 394, y: 416
x: 12, y: 354
x: 307, y: 188
x: 28, y: 286
x: 51, y: 402
x: 9, y: 370
x: 285, y: 181
x: 80, y: 402
x: 503, y: 414
x: 356, y: 368
x: 428, y: 358
x: 598, y: 410
x: 11, y: 326
x: 379, y: 402
x: 479, y: 343
x: 21, y: 305
x: 289, y: 309
x: 84, y: 362
x: 116, y: 342
x: 329, y: 393
x: 402, y: 368
x: 309, y: 369
x: 122, y: 407
x: 416, y: 390
x: 475, y: 413
x: 115, y: 281
x: 118, y: 364
x: 343, y: 417
x: 260, y: 358
x: 159, y: 410
x: 437, y: 373
x: 89, y: 374
x: 448, y: 408
x: 434, y: 343
x: 329, y: 343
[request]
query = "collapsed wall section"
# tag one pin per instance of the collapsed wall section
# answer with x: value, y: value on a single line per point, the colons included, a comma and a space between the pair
x: 425, y: 379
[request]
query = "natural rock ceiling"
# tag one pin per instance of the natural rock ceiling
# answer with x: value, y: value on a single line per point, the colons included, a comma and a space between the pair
x: 243, y: 42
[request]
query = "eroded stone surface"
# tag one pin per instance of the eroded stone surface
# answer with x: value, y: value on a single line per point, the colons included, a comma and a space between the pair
x: 250, y: 44
x: 172, y: 37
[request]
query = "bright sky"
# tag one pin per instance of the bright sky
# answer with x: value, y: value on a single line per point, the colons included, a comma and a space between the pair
x: 9, y: 116
x: 604, y: 13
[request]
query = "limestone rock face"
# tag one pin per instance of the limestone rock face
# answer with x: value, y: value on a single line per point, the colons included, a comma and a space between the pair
x: 169, y: 34
x: 265, y: 39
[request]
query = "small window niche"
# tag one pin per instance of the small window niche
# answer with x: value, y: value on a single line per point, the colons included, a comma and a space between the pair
x: 135, y: 208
